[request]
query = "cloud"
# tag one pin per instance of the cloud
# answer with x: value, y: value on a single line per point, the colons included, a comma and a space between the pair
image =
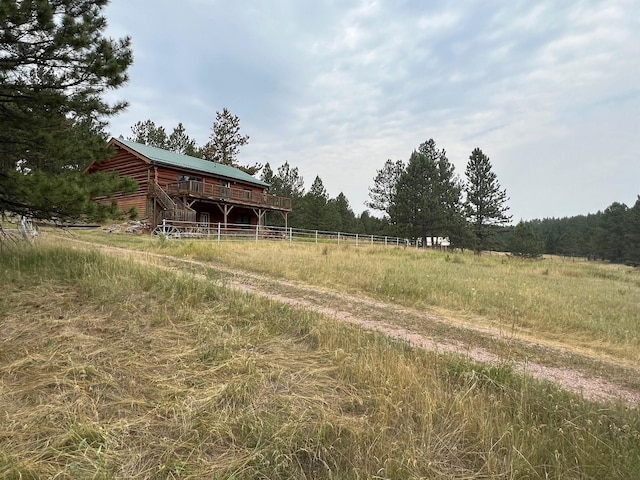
x: 547, y: 90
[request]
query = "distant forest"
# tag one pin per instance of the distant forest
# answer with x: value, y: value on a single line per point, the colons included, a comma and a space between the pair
x: 612, y: 234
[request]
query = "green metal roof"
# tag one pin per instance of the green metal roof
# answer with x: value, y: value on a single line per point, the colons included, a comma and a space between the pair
x: 165, y: 157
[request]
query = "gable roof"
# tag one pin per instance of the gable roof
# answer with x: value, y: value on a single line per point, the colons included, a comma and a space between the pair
x: 159, y: 156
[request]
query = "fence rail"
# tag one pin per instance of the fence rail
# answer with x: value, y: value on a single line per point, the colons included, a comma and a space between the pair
x: 239, y: 232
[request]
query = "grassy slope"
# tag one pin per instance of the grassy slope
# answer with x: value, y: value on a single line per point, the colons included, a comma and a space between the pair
x: 587, y: 306
x: 112, y: 370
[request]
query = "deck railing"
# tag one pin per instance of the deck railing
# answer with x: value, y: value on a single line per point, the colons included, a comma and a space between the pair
x: 228, y: 194
x: 179, y: 215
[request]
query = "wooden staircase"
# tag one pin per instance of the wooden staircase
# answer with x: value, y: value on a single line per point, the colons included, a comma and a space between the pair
x: 173, y: 208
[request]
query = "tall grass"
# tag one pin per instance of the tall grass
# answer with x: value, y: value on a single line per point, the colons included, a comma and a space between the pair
x: 114, y: 370
x: 586, y: 305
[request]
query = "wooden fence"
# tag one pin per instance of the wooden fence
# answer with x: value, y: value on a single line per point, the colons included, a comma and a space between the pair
x: 239, y: 232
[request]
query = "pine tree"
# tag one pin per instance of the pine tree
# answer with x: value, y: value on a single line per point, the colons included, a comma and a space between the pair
x: 182, y: 143
x: 313, y: 209
x: 382, y: 194
x: 341, y: 217
x: 148, y: 133
x: 427, y: 196
x: 225, y: 142
x: 288, y: 183
x: 485, y: 204
x: 632, y: 241
x: 612, y: 232
x: 55, y: 67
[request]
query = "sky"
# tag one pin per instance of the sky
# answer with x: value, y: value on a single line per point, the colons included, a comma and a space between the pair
x: 549, y: 90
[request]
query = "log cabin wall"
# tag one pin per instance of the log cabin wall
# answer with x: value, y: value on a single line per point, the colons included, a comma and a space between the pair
x: 127, y: 165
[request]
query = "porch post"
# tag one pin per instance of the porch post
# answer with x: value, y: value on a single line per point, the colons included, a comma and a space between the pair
x: 258, y: 212
x: 225, y: 209
x: 285, y: 215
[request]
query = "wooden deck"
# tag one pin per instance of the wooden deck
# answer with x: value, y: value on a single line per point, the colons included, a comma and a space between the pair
x: 236, y: 196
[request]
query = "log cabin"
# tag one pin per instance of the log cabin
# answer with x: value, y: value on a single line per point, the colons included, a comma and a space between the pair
x: 180, y: 188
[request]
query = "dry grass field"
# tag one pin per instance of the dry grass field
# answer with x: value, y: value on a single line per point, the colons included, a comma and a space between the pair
x: 114, y: 369
x: 590, y: 307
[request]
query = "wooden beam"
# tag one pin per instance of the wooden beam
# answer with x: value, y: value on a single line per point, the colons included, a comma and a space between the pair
x: 225, y: 209
x: 260, y: 213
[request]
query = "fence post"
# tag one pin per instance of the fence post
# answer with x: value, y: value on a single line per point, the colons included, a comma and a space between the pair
x: 338, y: 238
x: 316, y: 236
x: 290, y: 235
x: 356, y: 239
x: 218, y: 232
x: 257, y: 229
x: 371, y: 239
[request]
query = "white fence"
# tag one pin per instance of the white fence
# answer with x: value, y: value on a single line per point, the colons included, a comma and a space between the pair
x: 236, y: 232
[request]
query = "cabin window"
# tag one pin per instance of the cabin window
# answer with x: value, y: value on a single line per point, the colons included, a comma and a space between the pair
x: 246, y: 194
x: 224, y: 183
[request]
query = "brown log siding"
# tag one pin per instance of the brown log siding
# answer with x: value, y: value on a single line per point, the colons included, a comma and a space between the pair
x: 127, y: 165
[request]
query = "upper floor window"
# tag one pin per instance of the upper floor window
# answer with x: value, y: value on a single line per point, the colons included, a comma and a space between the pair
x: 188, y: 178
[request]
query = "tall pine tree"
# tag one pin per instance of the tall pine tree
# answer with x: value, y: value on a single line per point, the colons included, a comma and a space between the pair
x: 312, y: 211
x: 485, y: 204
x: 427, y: 196
x: 287, y: 182
x: 55, y: 67
x: 382, y: 194
x: 225, y: 142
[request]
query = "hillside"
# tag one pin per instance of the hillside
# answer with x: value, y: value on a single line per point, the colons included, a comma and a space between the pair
x: 112, y: 368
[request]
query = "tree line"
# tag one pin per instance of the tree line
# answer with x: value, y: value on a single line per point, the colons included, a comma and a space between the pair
x: 418, y: 199
x: 612, y: 234
x: 223, y: 145
x: 425, y: 197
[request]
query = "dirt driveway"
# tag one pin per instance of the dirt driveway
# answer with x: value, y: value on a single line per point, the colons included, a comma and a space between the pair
x: 420, y: 328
